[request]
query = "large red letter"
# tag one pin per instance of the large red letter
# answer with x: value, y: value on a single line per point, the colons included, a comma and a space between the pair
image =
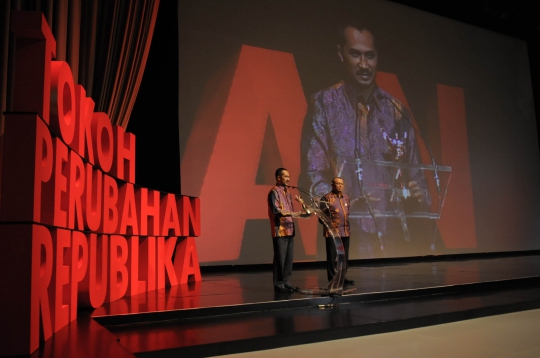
x: 104, y: 140
x: 61, y: 279
x: 128, y: 210
x: 93, y: 198
x: 118, y: 273
x: 61, y: 174
x: 63, y: 101
x: 186, y: 261
x: 164, y: 261
x: 124, y: 158
x: 265, y: 87
x: 79, y: 266
x: 190, y: 212
x: 149, y: 204
x: 84, y: 142
x: 135, y: 286
x: 93, y: 287
x: 76, y: 190
x: 169, y: 212
x: 110, y: 200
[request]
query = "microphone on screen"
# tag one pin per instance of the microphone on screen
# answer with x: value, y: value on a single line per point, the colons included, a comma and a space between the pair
x: 432, y: 157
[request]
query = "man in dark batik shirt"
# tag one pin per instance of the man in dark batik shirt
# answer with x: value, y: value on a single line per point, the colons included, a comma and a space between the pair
x: 348, y: 128
x: 281, y: 214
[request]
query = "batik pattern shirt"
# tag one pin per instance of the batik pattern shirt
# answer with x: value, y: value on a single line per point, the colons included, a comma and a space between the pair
x: 344, y: 136
x: 337, y: 208
x: 280, y: 211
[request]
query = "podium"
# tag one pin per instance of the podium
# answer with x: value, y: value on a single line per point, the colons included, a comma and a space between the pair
x: 385, y: 195
x: 335, y: 287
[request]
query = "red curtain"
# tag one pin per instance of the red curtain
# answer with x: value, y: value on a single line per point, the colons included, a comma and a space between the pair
x: 105, y: 42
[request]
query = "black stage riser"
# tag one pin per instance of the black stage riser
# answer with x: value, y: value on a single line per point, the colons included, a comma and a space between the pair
x: 333, y: 333
x: 298, y: 301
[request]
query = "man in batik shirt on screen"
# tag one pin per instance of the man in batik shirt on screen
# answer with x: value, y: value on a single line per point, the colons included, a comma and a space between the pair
x: 350, y: 125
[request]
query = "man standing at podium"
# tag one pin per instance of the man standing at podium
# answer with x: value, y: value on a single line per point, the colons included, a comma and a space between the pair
x: 351, y: 126
x: 281, y: 214
x: 336, y: 205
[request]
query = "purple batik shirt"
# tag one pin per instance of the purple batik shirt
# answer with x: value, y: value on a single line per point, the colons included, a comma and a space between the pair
x: 280, y: 209
x: 334, y: 138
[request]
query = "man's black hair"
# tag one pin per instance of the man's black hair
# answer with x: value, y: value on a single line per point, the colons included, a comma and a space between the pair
x: 359, y: 24
x: 279, y: 171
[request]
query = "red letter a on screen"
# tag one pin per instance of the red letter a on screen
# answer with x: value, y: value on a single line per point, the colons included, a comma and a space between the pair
x: 265, y: 85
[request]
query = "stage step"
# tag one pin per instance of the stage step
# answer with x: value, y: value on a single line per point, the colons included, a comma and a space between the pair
x: 322, y: 319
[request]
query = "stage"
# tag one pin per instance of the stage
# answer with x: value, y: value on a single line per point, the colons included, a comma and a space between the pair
x: 234, y: 309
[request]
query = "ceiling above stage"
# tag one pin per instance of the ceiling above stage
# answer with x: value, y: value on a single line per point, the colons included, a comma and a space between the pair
x: 517, y: 18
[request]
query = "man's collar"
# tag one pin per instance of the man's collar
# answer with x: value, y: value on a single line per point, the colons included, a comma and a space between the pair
x: 282, y: 186
x: 353, y: 92
x: 339, y: 195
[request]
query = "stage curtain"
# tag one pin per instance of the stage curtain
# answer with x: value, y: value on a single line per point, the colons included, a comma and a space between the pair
x: 105, y: 42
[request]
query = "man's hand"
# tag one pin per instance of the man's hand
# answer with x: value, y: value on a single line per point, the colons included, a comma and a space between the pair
x: 303, y: 214
x: 416, y: 192
x: 371, y: 198
x: 365, y: 200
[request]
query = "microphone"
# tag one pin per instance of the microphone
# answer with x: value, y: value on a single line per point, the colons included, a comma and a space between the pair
x: 432, y: 157
x: 435, y: 172
x: 314, y: 197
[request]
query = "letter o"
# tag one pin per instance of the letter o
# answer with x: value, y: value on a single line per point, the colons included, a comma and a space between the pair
x: 62, y: 101
x: 103, y: 133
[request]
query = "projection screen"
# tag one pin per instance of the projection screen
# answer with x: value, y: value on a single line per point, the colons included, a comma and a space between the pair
x: 248, y: 71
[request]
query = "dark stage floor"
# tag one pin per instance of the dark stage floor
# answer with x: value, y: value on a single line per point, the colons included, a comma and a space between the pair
x: 232, y: 312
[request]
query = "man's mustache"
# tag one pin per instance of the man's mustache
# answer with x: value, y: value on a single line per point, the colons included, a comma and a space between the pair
x: 364, y: 71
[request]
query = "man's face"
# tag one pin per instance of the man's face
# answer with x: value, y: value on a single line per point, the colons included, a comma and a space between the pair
x: 359, y: 56
x: 283, y: 178
x: 337, y: 185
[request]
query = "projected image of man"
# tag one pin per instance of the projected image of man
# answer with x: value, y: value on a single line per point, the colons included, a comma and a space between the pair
x: 351, y: 125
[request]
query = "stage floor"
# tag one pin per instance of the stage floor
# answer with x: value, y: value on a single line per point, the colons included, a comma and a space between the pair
x: 233, y: 312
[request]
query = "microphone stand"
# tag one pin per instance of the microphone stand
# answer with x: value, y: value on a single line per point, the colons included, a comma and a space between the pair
x: 407, y: 117
x: 335, y: 287
x: 360, y: 182
x: 366, y: 201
